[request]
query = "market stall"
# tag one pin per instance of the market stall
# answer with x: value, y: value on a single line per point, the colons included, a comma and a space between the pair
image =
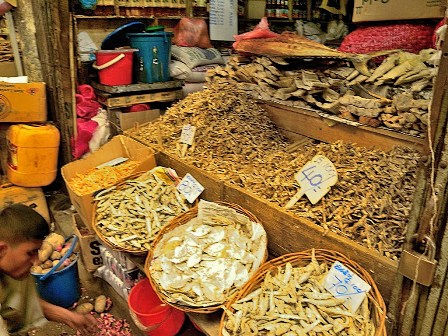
x: 312, y: 152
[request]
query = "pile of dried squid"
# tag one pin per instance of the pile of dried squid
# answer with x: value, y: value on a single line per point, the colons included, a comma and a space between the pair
x: 237, y: 142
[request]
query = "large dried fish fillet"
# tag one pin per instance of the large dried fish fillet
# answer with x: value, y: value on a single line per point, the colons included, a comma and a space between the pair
x: 289, y: 45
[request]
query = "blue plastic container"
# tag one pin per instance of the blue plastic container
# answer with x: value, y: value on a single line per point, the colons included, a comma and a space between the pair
x: 154, y: 54
x: 60, y: 287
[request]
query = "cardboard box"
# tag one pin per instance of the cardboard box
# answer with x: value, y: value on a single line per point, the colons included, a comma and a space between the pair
x: 127, y: 120
x: 8, y: 69
x: 125, y: 101
x: 118, y: 146
x: 23, y: 102
x: 89, y: 244
x: 256, y: 9
x: 373, y: 10
x: 33, y: 197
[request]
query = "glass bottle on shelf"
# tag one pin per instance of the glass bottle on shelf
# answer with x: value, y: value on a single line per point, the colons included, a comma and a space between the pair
x: 285, y: 11
x: 278, y: 9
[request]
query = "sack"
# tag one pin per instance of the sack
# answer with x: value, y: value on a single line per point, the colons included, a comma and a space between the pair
x: 408, y: 37
x: 181, y: 71
x: 193, y: 56
x: 191, y: 32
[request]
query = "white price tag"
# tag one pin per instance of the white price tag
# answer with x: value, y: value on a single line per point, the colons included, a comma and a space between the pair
x: 187, y: 135
x: 316, y: 178
x: 113, y: 162
x: 344, y: 284
x: 190, y: 188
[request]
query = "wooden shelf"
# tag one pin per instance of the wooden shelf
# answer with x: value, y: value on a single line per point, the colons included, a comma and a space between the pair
x: 106, y: 17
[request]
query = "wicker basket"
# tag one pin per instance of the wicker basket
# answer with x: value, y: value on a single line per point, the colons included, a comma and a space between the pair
x: 376, y: 302
x: 176, y: 222
x: 103, y: 238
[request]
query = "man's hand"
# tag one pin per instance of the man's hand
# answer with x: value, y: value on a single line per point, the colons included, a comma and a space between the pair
x: 86, y: 324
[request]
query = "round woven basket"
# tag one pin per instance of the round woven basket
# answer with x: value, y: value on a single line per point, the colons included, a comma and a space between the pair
x: 103, y: 238
x: 178, y: 221
x: 299, y: 259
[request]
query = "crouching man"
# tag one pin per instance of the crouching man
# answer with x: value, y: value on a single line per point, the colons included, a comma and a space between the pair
x: 22, y: 231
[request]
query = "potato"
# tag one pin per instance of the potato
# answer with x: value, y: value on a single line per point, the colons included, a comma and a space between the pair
x: 64, y: 250
x: 100, y: 304
x: 84, y: 308
x: 36, y: 269
x: 45, y: 251
x: 55, y: 255
x: 56, y: 240
x: 47, y: 264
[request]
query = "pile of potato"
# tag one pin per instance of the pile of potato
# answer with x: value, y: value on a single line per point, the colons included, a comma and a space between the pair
x: 53, y: 249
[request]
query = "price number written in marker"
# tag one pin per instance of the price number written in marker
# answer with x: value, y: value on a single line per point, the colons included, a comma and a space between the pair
x: 344, y: 284
x: 190, y: 188
x: 187, y: 135
x: 315, y: 180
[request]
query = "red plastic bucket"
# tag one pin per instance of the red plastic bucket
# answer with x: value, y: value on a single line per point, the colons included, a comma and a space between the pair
x: 115, y: 66
x: 152, y: 315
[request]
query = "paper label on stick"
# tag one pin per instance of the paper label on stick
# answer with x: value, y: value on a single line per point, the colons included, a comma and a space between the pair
x: 190, y: 188
x: 316, y: 178
x: 344, y: 284
x: 187, y: 135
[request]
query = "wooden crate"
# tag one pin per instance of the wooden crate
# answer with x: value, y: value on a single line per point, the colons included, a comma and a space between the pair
x: 288, y: 232
x: 296, y: 122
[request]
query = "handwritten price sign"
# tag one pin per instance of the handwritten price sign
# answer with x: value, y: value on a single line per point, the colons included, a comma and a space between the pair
x: 344, y: 284
x: 190, y: 188
x: 315, y: 179
x: 187, y: 135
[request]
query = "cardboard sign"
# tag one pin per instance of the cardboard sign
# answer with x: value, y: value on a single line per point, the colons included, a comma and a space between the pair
x: 317, y: 177
x: 344, y: 284
x: 315, y: 180
x: 187, y: 135
x: 190, y: 188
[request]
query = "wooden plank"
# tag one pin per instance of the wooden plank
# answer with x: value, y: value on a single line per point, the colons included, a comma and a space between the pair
x: 289, y: 233
x: 137, y: 87
x: 309, y: 123
x: 124, y: 101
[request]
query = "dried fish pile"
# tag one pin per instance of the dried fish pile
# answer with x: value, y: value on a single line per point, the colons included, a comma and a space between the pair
x: 292, y: 301
x: 6, y: 54
x: 395, y: 95
x: 237, y: 142
x: 130, y: 215
x: 203, y: 262
x: 97, y: 178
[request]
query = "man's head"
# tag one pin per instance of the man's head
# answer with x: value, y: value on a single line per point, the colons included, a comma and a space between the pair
x: 22, y: 231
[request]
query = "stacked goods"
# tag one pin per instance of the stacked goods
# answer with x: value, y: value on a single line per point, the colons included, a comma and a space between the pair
x: 129, y: 216
x: 287, y: 296
x: 204, y: 256
x: 237, y: 142
x: 53, y: 249
x: 394, y: 94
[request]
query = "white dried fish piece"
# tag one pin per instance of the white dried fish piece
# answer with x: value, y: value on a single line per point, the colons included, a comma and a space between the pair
x: 194, y: 259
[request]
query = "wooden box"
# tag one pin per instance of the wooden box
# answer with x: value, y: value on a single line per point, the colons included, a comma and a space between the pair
x: 288, y: 232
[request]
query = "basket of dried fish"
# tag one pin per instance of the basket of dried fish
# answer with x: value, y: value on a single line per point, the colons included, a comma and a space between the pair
x: 303, y: 294
x: 202, y: 257
x: 128, y: 216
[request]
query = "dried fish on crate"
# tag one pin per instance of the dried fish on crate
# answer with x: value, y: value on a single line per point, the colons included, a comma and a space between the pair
x: 237, y: 142
x: 291, y: 300
x: 130, y: 215
x: 202, y: 262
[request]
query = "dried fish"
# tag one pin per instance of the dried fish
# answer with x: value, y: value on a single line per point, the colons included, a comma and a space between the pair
x: 237, y: 142
x: 204, y: 261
